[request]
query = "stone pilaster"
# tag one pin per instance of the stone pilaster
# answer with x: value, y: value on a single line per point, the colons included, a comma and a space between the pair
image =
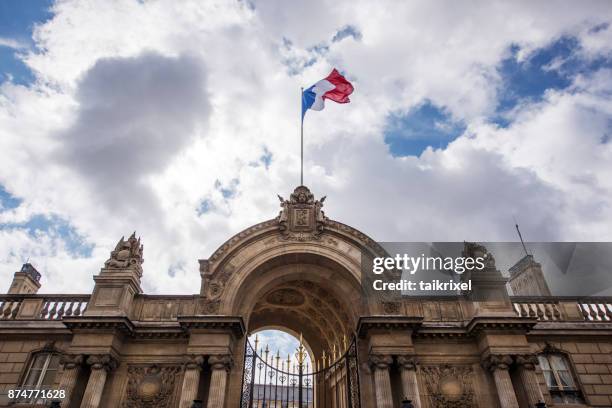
x: 100, y: 366
x: 410, y: 387
x: 526, y: 367
x: 499, y: 366
x: 382, y: 382
x: 71, y: 368
x: 191, y: 380
x: 220, y: 366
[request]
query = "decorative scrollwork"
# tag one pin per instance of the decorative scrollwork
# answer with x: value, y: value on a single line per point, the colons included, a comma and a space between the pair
x: 151, y: 386
x: 449, y: 386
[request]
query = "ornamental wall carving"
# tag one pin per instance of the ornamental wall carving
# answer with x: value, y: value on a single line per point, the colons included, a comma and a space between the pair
x: 449, y: 386
x: 151, y: 386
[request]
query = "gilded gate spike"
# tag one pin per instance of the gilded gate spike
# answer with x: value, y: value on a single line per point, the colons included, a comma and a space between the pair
x: 288, y: 363
x: 344, y: 342
x: 256, y: 341
x: 300, y: 354
x: 277, y: 357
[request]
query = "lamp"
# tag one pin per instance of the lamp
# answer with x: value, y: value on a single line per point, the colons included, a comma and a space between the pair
x: 406, y: 403
x: 197, y: 404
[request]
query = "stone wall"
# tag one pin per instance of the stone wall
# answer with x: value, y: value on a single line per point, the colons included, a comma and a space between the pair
x: 14, y: 358
x: 592, y: 362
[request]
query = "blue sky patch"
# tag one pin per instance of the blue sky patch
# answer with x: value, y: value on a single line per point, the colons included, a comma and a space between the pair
x: 347, y: 31
x: 425, y: 125
x: 553, y: 67
x: 205, y: 207
x: 54, y: 225
x: 17, y: 20
x: 229, y: 191
x: 8, y: 201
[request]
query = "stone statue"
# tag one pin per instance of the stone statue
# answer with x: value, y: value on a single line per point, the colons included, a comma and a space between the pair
x: 127, y: 254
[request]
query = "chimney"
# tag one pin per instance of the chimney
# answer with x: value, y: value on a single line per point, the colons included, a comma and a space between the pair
x: 527, y: 279
x: 26, y: 281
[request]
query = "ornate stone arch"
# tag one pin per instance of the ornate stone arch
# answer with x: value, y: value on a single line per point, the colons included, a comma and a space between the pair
x: 300, y: 235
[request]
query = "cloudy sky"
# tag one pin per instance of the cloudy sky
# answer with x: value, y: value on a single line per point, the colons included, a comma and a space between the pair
x: 180, y: 120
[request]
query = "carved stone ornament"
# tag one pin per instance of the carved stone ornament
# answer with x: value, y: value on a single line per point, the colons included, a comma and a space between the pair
x: 193, y: 362
x: 449, y: 386
x: 210, y: 306
x: 102, y: 362
x: 285, y: 297
x: 151, y: 386
x: 527, y: 361
x: 380, y: 361
x: 127, y: 254
x: 407, y: 362
x: 301, y: 217
x: 391, y: 308
x: 497, y: 362
x: 71, y: 361
x: 476, y: 250
x: 220, y: 362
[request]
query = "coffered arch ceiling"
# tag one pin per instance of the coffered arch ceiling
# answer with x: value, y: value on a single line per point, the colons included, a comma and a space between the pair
x: 304, y: 293
x: 307, y: 308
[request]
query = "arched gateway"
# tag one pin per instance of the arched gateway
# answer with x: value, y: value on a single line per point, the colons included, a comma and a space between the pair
x: 299, y: 272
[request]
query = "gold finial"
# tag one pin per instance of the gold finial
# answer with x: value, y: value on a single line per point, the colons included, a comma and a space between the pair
x: 324, y: 358
x: 344, y: 343
x: 267, y: 351
x: 256, y: 341
x: 277, y: 358
x: 288, y: 362
x: 300, y: 353
x: 334, y: 351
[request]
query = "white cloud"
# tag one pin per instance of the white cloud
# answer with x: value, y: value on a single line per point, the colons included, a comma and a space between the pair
x: 142, y: 109
x: 12, y: 43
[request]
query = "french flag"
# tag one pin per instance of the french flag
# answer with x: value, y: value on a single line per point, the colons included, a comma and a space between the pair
x: 335, y: 87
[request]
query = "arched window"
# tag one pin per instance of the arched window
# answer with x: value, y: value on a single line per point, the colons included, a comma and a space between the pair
x: 560, y: 379
x: 41, y: 373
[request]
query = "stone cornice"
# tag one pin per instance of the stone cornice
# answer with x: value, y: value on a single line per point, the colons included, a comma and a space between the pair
x: 367, y: 323
x: 501, y: 323
x: 101, y: 323
x: 233, y: 323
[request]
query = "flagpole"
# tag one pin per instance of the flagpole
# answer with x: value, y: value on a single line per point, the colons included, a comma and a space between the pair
x: 301, y: 138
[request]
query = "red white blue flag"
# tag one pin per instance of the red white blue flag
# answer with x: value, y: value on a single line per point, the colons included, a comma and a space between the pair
x: 335, y: 87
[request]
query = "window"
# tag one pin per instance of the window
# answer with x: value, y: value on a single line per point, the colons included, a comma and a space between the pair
x: 560, y: 379
x: 41, y: 373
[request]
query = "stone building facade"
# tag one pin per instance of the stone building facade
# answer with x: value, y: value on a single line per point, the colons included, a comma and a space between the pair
x: 300, y: 272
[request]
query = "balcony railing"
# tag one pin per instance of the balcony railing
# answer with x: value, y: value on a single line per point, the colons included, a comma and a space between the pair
x: 591, y: 309
x: 41, y: 307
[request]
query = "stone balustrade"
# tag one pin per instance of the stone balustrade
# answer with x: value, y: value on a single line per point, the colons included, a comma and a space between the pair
x: 55, y: 307
x: 595, y: 309
x: 41, y: 307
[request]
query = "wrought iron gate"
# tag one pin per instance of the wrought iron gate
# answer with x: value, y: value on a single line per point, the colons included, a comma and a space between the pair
x: 272, y: 382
